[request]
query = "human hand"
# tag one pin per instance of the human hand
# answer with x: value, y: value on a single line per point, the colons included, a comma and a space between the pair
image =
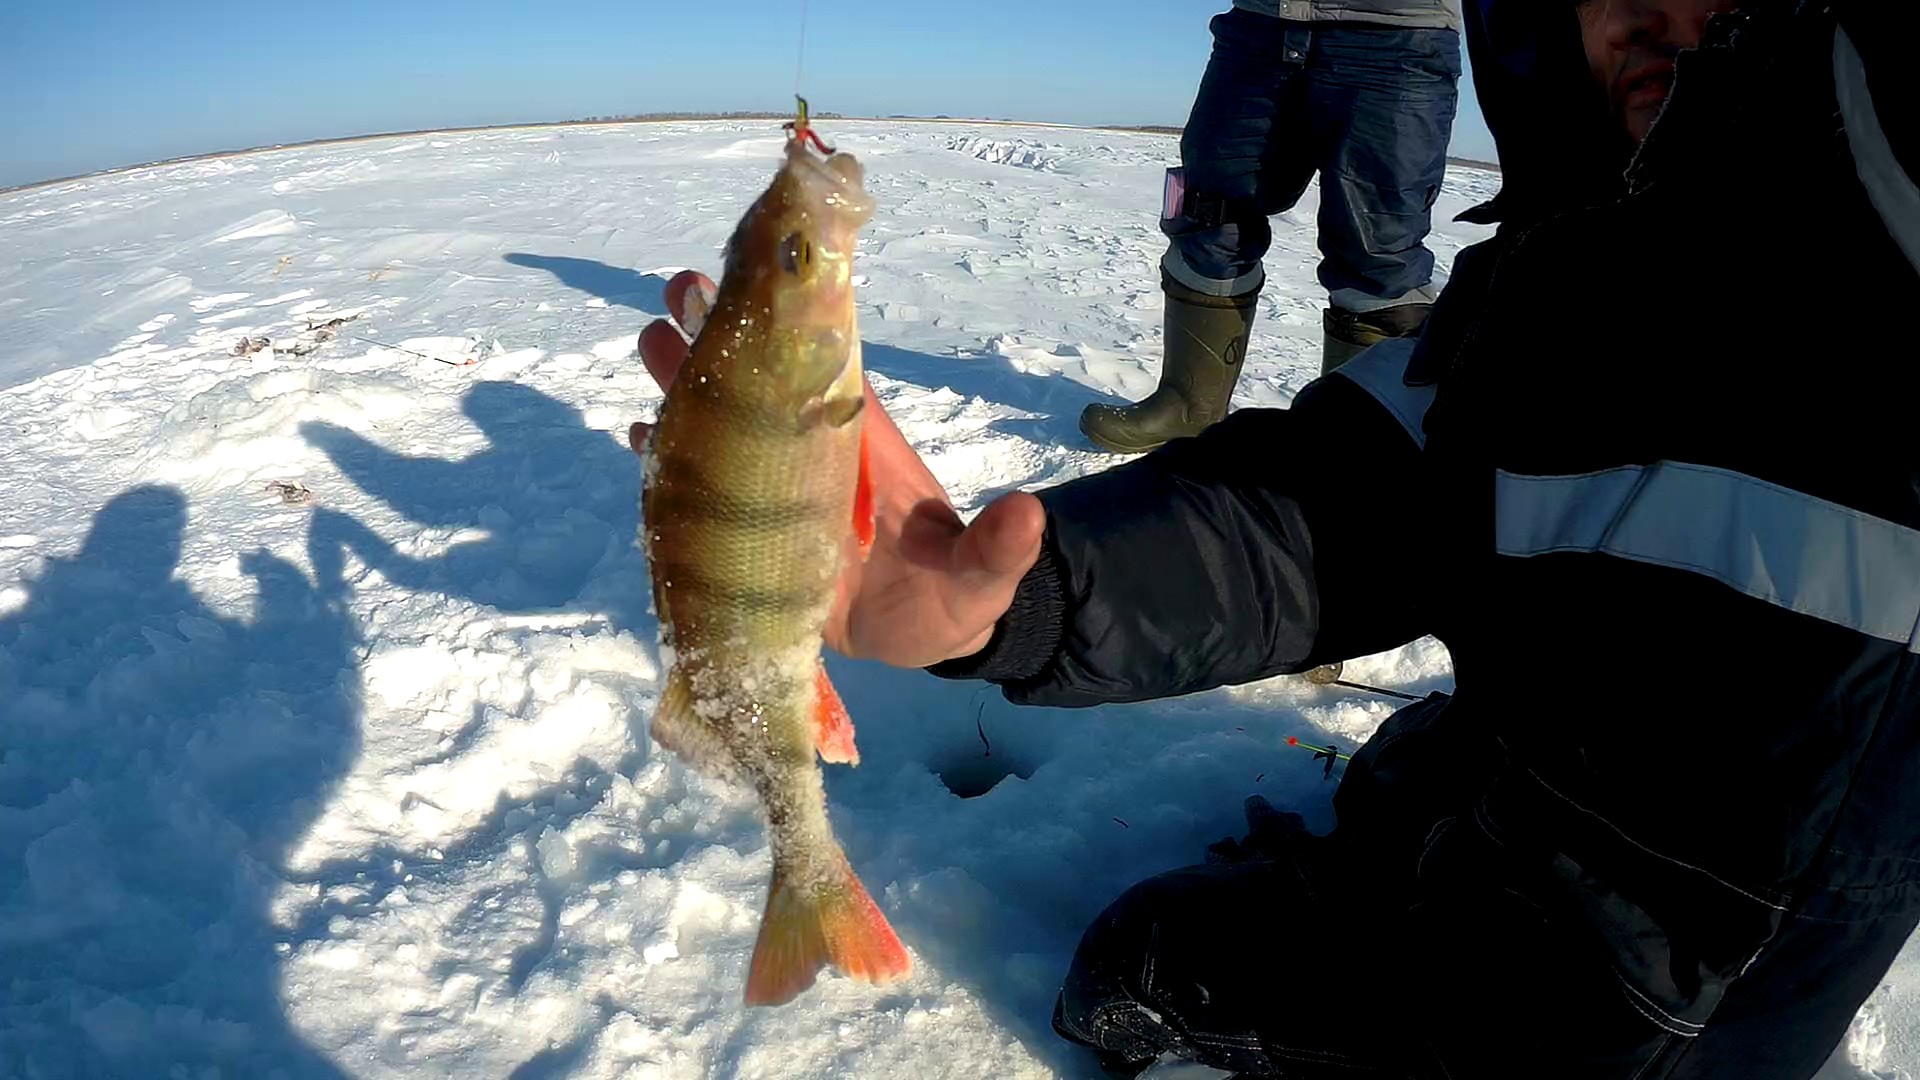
x: 931, y: 588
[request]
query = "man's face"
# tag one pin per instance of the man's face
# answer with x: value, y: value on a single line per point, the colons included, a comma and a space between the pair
x: 1630, y: 48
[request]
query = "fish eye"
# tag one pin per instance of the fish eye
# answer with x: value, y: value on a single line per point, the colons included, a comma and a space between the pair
x: 796, y: 251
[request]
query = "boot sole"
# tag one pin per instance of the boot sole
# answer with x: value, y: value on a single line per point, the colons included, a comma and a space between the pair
x: 1114, y: 447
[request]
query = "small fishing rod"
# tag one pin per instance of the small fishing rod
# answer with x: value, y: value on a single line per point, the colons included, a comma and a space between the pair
x: 1329, y: 675
x: 1376, y: 690
x: 1330, y: 753
x: 801, y: 125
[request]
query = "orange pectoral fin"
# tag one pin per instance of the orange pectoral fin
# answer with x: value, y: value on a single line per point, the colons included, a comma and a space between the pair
x: 832, y: 727
x: 863, y: 500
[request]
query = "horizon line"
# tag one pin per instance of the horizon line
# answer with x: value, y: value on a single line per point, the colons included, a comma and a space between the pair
x: 641, y: 118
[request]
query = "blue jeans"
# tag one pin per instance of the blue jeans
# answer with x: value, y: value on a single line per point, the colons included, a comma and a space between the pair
x: 1368, y: 108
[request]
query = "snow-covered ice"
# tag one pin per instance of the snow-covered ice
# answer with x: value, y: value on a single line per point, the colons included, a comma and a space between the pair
x: 358, y: 784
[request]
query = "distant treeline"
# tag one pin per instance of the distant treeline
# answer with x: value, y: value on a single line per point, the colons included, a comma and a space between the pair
x: 635, y: 118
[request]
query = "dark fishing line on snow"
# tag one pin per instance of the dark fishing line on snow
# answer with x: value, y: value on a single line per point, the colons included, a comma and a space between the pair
x: 409, y: 352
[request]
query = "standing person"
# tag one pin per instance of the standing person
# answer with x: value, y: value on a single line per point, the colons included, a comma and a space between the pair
x: 1361, y: 92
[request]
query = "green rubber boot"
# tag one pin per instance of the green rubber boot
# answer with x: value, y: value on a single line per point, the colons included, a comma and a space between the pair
x: 1206, y: 340
x: 1350, y: 333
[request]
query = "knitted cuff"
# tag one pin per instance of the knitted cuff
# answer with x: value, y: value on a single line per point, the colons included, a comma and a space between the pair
x: 1026, y: 637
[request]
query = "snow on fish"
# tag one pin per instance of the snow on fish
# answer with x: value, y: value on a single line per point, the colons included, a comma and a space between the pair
x: 755, y: 484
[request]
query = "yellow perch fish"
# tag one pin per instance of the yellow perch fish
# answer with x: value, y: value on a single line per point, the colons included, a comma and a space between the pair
x: 755, y: 484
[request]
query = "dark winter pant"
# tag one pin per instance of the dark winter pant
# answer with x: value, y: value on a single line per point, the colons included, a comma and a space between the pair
x: 1369, y: 108
x: 1412, y: 943
x: 1281, y: 966
x: 1245, y: 966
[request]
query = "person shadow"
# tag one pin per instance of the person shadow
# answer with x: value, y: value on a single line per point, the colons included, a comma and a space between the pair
x: 158, y: 759
x: 548, y: 507
x: 614, y: 284
x: 1053, y: 402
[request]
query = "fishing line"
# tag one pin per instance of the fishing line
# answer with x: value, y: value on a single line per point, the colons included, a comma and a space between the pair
x: 800, y: 58
x: 410, y: 352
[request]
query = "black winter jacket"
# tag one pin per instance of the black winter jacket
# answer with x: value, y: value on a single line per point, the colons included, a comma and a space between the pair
x: 1659, y: 494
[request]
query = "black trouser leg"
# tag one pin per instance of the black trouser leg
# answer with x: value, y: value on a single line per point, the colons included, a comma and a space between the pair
x: 1243, y: 966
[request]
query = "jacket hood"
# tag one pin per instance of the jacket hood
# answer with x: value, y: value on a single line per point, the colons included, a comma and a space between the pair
x: 1557, y: 142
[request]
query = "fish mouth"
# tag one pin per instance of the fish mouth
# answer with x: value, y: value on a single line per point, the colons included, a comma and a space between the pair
x: 837, y: 180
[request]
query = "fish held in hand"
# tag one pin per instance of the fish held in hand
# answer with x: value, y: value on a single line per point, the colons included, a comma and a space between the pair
x: 755, y: 489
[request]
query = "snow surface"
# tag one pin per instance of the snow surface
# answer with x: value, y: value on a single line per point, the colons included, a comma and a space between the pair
x: 325, y: 679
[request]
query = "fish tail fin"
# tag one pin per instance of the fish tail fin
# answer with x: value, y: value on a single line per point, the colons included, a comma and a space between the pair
x: 813, y: 924
x: 832, y: 727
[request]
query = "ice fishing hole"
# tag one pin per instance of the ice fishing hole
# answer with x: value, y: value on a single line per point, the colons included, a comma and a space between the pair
x: 971, y: 774
x: 974, y: 765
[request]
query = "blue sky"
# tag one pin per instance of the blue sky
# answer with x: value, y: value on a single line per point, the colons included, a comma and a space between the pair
x: 89, y: 84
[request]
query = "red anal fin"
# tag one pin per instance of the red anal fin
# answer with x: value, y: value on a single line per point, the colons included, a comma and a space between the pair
x: 832, y: 727
x: 863, y: 499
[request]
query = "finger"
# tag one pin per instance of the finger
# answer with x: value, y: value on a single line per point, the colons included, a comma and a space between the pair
x: 637, y: 436
x: 690, y: 296
x: 1001, y: 545
x: 989, y: 560
x: 662, y: 350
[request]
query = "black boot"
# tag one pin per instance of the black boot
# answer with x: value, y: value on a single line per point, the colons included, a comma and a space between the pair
x: 1269, y: 833
x: 1206, y: 340
x: 1349, y: 333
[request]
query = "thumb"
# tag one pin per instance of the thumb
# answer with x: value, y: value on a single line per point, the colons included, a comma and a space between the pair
x: 662, y: 350
x: 1001, y: 545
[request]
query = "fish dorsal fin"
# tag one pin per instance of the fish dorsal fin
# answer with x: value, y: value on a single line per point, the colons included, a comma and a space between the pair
x: 678, y: 728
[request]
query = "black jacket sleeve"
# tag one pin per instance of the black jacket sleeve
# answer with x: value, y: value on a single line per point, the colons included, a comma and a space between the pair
x: 1278, y: 540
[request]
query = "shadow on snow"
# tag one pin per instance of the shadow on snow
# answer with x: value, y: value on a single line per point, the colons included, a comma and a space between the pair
x: 559, y: 506
x: 614, y: 284
x: 1056, y: 400
x: 159, y: 760
x: 554, y: 498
